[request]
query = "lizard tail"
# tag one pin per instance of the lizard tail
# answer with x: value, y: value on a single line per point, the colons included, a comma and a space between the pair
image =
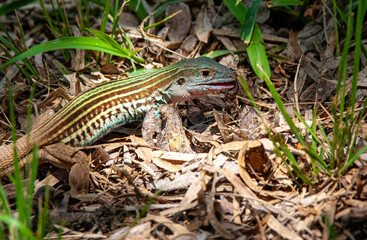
x: 7, y: 155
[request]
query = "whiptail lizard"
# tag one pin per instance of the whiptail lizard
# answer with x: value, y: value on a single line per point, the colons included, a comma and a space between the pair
x: 109, y: 105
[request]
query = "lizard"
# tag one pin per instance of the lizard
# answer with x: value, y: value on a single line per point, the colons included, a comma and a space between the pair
x: 109, y: 105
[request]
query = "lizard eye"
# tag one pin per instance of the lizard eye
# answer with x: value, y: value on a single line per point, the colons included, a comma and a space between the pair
x: 181, y: 81
x: 205, y: 73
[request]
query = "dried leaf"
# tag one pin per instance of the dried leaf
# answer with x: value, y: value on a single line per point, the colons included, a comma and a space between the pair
x: 176, y: 229
x: 212, y: 215
x: 166, y: 165
x: 109, y: 69
x: 224, y: 131
x: 203, y: 26
x: 282, y: 230
x: 173, y: 136
x: 227, y: 43
x: 181, y: 23
x: 77, y: 57
x: 254, y: 153
x: 180, y: 182
x: 188, y: 45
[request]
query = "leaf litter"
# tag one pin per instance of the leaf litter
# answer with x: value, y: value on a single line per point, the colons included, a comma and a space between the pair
x: 205, y: 168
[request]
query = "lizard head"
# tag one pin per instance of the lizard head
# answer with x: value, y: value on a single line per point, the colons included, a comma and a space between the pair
x: 198, y: 77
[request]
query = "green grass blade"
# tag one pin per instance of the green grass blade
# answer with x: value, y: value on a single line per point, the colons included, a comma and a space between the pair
x: 356, y: 126
x: 218, y: 53
x: 4, y: 203
x: 87, y: 43
x: 255, y: 49
x: 310, y: 130
x: 314, y: 142
x: 16, y: 179
x: 257, y: 55
x: 26, y: 74
x: 325, y: 137
x: 79, y: 9
x: 283, y: 3
x: 138, y: 7
x: 11, y: 46
x: 294, y: 163
x: 323, y: 150
x: 339, y: 133
x: 318, y: 159
x: 162, y: 6
x: 65, y: 29
x: 357, y: 50
x: 238, y: 10
x: 126, y: 39
x: 24, y: 230
x: 340, y: 11
x: 14, y: 5
x: 277, y: 140
x: 116, y: 16
x: 48, y: 19
x: 352, y: 159
x: 105, y: 15
x: 162, y: 21
x: 281, y: 107
x: 113, y: 44
x: 248, y: 27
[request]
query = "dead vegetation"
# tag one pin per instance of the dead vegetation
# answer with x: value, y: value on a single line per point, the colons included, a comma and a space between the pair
x: 206, y: 168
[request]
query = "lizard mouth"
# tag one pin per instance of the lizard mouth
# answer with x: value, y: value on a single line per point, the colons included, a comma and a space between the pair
x: 219, y: 85
x: 214, y: 87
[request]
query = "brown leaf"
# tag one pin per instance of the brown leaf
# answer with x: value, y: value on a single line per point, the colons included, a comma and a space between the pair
x: 231, y: 61
x: 64, y: 156
x: 181, y: 23
x: 254, y: 153
x: 188, y: 45
x: 203, y: 26
x: 100, y: 155
x: 79, y: 175
x: 166, y: 165
x: 195, y: 115
x: 282, y: 230
x: 109, y: 69
x: 177, y: 230
x: 212, y: 214
x: 173, y: 136
x: 224, y: 131
x: 145, y: 153
x: 227, y: 43
x: 363, y: 130
x: 128, y: 20
x: 77, y: 57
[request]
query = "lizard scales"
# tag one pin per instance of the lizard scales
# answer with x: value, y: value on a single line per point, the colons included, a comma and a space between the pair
x: 107, y: 106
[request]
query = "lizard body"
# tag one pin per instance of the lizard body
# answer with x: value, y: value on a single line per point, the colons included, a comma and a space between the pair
x: 107, y: 106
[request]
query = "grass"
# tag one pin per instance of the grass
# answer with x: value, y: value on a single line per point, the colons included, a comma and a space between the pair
x: 251, y: 35
x: 103, y: 43
x: 330, y: 157
x: 19, y: 227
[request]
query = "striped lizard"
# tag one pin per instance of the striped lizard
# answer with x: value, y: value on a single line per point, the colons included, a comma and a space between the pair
x: 109, y: 105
